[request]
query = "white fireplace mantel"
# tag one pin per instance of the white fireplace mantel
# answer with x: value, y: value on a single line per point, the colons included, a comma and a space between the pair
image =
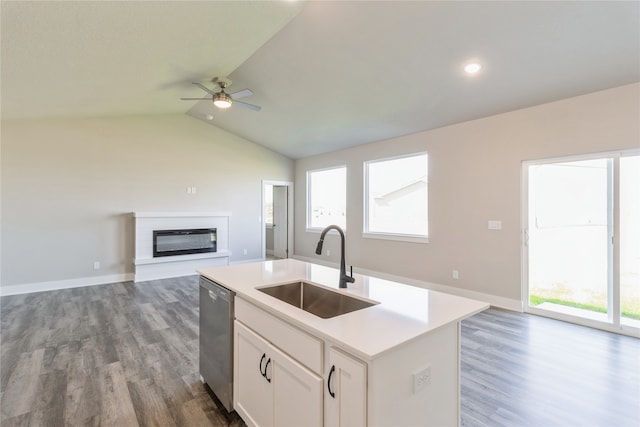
x: 149, y: 268
x: 179, y: 214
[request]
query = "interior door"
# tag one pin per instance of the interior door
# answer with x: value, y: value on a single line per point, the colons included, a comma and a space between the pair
x: 280, y: 221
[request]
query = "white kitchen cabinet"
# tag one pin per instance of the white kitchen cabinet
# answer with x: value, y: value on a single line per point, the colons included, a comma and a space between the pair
x: 252, y: 391
x: 272, y: 389
x: 346, y: 391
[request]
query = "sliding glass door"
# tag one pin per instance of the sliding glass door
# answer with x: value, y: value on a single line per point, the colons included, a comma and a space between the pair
x: 582, y: 239
x: 630, y: 240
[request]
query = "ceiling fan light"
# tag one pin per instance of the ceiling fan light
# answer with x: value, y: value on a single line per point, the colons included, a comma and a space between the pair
x: 222, y: 100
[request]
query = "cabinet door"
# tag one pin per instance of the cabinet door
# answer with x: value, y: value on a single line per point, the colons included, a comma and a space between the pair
x: 253, y: 393
x: 345, y: 391
x: 297, y: 393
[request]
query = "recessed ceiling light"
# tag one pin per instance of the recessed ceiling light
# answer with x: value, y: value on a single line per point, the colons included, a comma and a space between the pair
x: 472, y: 68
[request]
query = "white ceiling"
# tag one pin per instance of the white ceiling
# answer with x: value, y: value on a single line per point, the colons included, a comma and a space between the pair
x: 338, y: 74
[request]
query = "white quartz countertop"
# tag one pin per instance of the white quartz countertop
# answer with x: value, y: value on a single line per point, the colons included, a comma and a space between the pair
x: 403, y: 314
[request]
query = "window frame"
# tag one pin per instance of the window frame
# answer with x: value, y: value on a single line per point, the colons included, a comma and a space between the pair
x: 308, y: 226
x: 402, y: 237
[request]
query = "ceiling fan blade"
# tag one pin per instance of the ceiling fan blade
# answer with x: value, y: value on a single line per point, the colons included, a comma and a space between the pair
x: 204, y: 88
x: 249, y: 106
x: 241, y: 94
x: 195, y: 99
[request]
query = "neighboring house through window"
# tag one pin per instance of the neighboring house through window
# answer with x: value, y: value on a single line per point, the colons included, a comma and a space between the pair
x: 396, y: 198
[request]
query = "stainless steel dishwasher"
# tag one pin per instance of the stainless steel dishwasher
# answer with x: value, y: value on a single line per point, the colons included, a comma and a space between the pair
x: 216, y: 339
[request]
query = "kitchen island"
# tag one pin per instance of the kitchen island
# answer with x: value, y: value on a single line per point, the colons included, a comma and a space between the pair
x: 395, y: 362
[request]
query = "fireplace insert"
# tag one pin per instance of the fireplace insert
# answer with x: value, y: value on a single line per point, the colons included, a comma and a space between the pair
x: 183, y: 242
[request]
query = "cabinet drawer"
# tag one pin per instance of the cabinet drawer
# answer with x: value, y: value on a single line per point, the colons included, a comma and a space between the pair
x: 303, y: 347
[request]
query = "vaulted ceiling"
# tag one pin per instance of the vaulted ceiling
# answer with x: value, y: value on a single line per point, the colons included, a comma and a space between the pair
x: 327, y: 74
x: 114, y: 58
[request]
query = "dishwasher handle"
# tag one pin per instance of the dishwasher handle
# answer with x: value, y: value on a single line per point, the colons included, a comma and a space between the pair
x: 216, y: 291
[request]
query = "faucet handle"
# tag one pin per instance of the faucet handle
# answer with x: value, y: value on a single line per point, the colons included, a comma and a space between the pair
x: 350, y: 278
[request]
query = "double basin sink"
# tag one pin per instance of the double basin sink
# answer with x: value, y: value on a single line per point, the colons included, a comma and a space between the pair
x: 322, y: 302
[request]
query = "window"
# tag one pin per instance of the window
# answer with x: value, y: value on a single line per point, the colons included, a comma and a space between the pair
x: 396, y: 198
x: 327, y: 197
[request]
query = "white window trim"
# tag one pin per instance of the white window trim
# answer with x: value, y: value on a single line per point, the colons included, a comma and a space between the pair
x: 308, y: 227
x: 413, y: 238
x: 397, y: 237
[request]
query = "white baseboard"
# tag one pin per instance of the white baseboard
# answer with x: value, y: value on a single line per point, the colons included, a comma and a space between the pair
x: 55, y: 285
x: 28, y: 288
x: 494, y: 300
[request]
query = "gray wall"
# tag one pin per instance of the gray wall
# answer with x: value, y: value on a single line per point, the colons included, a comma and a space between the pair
x: 474, y: 176
x: 69, y: 187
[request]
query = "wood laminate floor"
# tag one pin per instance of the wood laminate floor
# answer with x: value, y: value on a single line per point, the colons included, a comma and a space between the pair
x: 127, y: 355
x: 525, y: 370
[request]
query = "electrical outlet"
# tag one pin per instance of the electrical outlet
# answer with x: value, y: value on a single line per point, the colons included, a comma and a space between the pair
x: 328, y: 252
x: 421, y: 379
x: 245, y: 251
x: 456, y: 275
x: 96, y: 265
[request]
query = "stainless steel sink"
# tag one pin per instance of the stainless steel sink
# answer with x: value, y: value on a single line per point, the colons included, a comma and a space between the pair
x: 317, y: 300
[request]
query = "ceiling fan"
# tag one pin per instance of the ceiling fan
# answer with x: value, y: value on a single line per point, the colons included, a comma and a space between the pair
x: 222, y: 99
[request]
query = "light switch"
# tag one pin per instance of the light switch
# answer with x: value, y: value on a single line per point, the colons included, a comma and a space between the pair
x: 495, y: 225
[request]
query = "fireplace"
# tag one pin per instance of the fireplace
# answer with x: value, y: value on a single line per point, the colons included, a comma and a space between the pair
x: 164, y: 249
x: 183, y: 242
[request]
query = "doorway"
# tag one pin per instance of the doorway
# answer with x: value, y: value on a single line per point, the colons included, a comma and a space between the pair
x: 277, y: 224
x: 581, y: 245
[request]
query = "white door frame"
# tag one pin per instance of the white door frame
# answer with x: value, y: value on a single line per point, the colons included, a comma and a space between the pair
x: 289, y: 185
